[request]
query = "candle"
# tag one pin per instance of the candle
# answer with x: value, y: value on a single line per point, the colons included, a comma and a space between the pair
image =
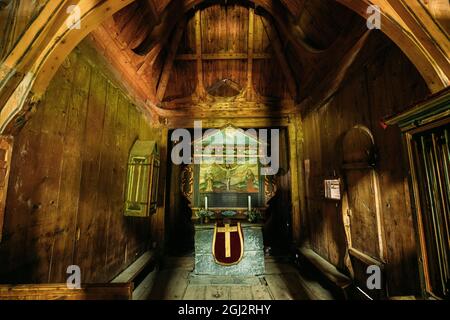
x: 206, y: 203
x: 249, y: 203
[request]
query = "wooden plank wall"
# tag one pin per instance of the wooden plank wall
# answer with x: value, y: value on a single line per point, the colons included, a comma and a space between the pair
x: 66, y: 191
x: 385, y: 84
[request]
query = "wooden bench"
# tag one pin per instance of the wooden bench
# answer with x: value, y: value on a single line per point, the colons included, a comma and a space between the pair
x: 141, y: 274
x: 131, y: 273
x: 107, y: 291
x: 335, y: 280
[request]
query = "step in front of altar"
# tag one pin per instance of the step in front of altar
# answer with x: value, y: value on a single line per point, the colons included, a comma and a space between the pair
x: 252, y: 262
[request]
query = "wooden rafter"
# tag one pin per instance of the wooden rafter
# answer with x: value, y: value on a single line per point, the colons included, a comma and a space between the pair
x: 251, y: 32
x: 234, y: 109
x: 153, y: 10
x: 334, y: 79
x: 198, y: 51
x: 158, y: 38
x: 168, y: 65
x: 279, y: 52
x: 223, y: 56
x: 134, y: 84
x: 410, y: 27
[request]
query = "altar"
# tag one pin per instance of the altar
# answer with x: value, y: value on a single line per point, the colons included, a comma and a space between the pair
x: 252, y: 262
x: 228, y: 201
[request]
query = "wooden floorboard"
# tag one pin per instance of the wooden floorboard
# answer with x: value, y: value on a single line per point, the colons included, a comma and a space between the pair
x: 217, y: 293
x: 223, y: 280
x: 261, y: 292
x: 195, y: 293
x: 293, y: 286
x: 277, y: 287
x: 144, y: 289
x: 314, y: 290
x: 241, y: 293
x: 170, y: 285
x: 176, y: 281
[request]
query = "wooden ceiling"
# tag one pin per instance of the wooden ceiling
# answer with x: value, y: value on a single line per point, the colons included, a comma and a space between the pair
x: 262, y: 56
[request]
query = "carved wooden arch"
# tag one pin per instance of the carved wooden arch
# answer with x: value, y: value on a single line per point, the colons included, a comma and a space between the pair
x: 358, y: 146
x: 31, y: 65
x: 412, y: 29
x: 28, y: 69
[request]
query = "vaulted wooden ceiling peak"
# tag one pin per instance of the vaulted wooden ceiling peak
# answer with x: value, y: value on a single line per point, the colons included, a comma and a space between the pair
x: 261, y: 55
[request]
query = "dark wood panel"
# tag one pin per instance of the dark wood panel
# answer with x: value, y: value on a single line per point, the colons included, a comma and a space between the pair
x: 65, y: 203
x: 383, y: 84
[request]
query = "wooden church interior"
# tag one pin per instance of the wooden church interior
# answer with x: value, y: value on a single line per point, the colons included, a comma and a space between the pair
x: 364, y: 109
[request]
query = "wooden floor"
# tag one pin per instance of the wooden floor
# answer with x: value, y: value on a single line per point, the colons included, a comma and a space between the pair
x: 176, y: 281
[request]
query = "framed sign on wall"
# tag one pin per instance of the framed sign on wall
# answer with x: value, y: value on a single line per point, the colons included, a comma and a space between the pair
x: 332, y: 189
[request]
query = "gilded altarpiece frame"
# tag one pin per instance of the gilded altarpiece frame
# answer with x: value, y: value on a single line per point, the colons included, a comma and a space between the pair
x: 228, y: 187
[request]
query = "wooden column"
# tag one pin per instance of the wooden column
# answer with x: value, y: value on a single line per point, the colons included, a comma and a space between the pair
x: 294, y: 157
x: 6, y: 143
x: 251, y: 32
x: 301, y: 175
x: 157, y: 221
x: 200, y: 91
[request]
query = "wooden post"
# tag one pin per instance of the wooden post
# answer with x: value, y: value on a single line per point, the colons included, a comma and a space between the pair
x: 251, y: 32
x: 157, y: 221
x: 6, y: 143
x: 294, y: 169
x: 301, y: 175
x: 198, y: 51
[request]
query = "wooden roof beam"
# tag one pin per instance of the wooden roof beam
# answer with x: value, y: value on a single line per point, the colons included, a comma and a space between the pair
x: 251, y: 32
x: 223, y: 56
x: 154, y: 11
x: 168, y: 66
x: 158, y: 38
x: 411, y: 28
x: 279, y: 53
x: 200, y: 90
x: 334, y: 79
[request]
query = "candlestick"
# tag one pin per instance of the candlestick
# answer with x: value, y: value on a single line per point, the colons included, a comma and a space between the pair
x: 249, y: 203
x: 206, y: 203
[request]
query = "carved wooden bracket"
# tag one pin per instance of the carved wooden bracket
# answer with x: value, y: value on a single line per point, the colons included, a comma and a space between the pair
x: 270, y: 188
x: 187, y: 182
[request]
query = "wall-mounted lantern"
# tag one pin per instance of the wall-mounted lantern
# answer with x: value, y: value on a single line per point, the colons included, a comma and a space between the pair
x: 142, y: 179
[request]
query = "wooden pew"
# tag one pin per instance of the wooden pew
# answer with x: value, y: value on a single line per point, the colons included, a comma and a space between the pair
x: 141, y: 274
x: 104, y: 291
x: 136, y: 268
x: 337, y: 282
